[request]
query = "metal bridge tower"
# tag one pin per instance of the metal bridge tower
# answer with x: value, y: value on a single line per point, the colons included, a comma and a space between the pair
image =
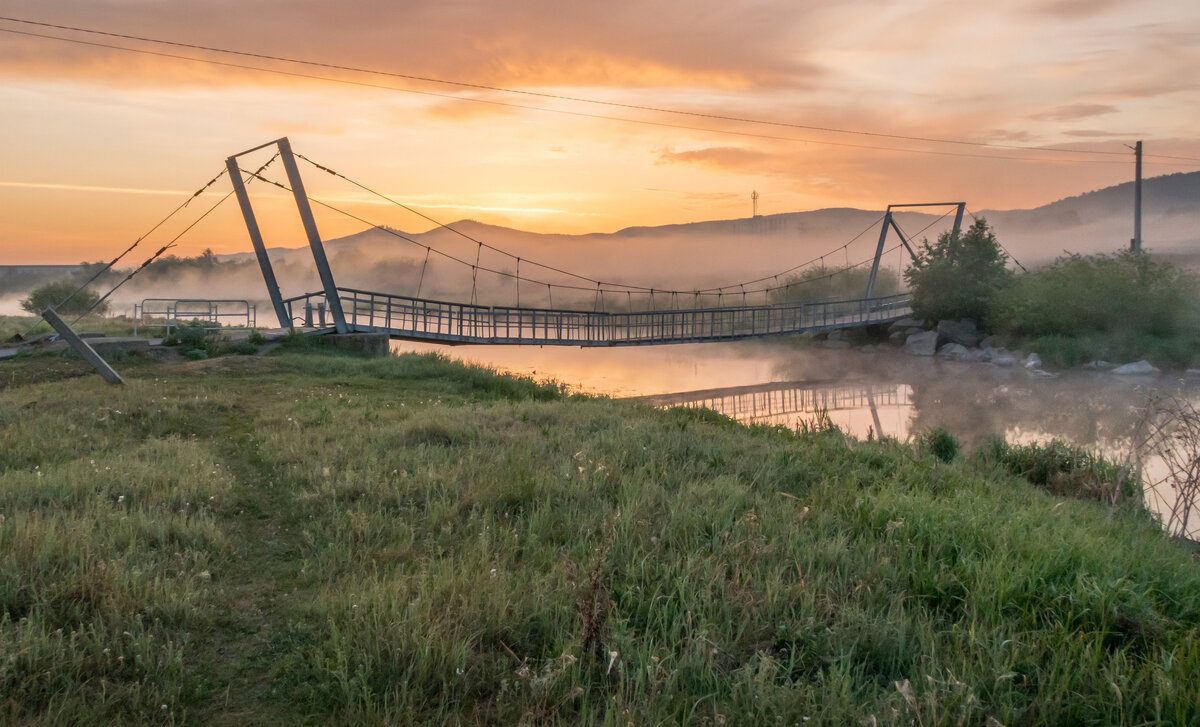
x: 889, y: 222
x: 310, y: 230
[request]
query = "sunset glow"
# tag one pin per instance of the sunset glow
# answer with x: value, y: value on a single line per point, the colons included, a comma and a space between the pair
x: 99, y: 144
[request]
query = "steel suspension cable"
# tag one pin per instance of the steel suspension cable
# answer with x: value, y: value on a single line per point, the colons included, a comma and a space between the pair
x: 167, y: 246
x: 578, y: 276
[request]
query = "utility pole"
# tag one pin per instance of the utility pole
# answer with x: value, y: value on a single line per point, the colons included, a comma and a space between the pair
x: 754, y: 199
x: 1136, y: 243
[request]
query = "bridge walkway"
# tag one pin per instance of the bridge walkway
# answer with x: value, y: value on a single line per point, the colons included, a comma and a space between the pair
x: 420, y: 319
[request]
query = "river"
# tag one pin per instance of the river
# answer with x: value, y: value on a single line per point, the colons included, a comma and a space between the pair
x: 865, y: 391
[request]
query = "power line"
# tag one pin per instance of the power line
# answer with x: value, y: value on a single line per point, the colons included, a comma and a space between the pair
x: 564, y: 112
x: 538, y: 94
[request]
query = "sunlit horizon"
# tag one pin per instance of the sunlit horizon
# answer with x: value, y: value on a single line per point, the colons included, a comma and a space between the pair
x: 99, y: 140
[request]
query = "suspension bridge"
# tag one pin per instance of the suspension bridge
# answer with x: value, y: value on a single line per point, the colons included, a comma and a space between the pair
x: 711, y: 316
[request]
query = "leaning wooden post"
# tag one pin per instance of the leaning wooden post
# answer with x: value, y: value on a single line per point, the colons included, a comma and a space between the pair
x: 81, y: 347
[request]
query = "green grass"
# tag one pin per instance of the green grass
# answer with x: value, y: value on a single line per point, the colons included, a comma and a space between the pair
x: 324, y: 539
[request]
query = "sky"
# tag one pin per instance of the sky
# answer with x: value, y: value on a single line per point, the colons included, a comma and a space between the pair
x: 98, y: 144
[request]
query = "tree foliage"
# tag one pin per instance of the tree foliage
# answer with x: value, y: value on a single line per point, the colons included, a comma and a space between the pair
x: 958, y: 276
x: 52, y: 295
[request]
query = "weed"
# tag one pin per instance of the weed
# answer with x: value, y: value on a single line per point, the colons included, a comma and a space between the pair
x: 939, y: 443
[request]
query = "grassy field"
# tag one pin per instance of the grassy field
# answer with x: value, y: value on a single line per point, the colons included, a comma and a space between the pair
x: 320, y: 539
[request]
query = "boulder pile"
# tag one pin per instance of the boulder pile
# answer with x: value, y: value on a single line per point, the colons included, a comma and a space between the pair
x: 962, y: 340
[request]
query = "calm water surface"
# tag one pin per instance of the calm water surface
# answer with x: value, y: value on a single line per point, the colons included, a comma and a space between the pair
x: 863, y: 391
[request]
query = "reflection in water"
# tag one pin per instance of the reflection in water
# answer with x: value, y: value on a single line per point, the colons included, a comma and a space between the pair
x: 853, y: 406
x: 862, y: 390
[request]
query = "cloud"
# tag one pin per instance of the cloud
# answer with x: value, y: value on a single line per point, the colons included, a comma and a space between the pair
x: 1073, y: 9
x: 1098, y: 134
x: 533, y: 43
x: 730, y: 158
x: 1073, y: 112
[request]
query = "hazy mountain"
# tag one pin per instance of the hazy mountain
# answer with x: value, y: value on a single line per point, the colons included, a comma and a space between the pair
x: 687, y: 256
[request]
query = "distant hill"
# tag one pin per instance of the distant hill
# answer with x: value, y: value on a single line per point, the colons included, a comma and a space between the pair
x: 691, y: 255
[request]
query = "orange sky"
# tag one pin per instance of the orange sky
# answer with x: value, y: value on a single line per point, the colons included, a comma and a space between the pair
x: 98, y: 144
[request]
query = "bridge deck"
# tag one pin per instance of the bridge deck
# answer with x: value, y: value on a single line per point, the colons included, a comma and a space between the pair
x: 460, y: 323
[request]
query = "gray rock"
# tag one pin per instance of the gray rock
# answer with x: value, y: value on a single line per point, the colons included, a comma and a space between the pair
x: 953, y: 352
x: 1137, y: 368
x: 836, y: 335
x: 961, y: 332
x: 1032, y: 361
x: 921, y: 344
x: 1192, y: 372
x: 1004, y: 358
x: 896, y: 338
x: 987, y: 342
x: 1036, y: 373
x: 1099, y: 366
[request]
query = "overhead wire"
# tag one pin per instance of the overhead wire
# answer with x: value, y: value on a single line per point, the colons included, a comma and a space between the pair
x: 560, y: 97
x: 623, y: 119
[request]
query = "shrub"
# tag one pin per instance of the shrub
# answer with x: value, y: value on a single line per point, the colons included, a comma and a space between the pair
x: 939, y: 443
x: 53, y: 295
x: 958, y: 276
x: 193, y: 341
x: 1120, y: 307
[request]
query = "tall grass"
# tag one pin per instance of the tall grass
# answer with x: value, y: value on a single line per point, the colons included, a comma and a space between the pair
x: 408, y: 540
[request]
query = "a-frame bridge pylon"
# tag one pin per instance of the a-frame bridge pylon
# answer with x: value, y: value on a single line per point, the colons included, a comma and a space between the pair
x: 888, y: 222
x: 332, y: 299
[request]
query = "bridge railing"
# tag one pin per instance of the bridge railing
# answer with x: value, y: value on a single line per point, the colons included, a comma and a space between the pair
x: 170, y: 313
x: 420, y: 318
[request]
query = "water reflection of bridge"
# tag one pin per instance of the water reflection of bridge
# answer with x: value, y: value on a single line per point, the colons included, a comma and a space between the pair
x: 772, y: 403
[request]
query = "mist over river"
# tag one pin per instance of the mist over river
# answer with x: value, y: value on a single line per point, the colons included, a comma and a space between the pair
x: 864, y: 391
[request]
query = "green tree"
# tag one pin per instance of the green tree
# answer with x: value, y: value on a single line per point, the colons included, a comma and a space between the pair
x: 51, y: 295
x: 958, y: 276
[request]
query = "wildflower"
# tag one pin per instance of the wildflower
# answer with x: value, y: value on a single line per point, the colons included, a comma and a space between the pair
x: 120, y: 499
x: 493, y: 572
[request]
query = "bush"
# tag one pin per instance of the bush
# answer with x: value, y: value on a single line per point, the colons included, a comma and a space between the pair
x: 959, y: 275
x: 939, y: 443
x: 52, y: 295
x: 193, y: 341
x: 1118, y: 307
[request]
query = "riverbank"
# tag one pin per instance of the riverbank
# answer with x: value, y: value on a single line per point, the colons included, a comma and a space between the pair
x: 315, y: 537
